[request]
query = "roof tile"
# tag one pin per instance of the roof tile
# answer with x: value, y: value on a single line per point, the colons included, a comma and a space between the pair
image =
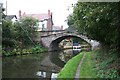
x: 37, y: 16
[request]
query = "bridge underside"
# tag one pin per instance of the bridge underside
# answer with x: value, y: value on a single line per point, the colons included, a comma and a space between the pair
x: 54, y: 46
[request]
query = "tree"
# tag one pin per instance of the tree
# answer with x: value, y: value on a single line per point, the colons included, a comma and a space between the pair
x: 25, y: 29
x: 19, y: 34
x: 70, y: 20
x: 100, y: 21
x: 7, y: 34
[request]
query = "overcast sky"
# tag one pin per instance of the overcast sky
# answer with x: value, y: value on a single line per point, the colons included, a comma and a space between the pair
x: 57, y: 7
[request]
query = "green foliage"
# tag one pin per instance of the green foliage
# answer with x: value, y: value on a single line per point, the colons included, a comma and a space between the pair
x: 99, y: 21
x: 31, y: 50
x: 108, y: 73
x: 7, y: 34
x: 38, y: 49
x: 107, y: 64
x: 25, y: 30
x: 70, y: 20
x: 20, y: 33
x: 17, y: 38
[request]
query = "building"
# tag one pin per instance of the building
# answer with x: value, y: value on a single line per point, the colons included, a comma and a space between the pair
x: 45, y: 20
x: 57, y: 27
x: 13, y: 18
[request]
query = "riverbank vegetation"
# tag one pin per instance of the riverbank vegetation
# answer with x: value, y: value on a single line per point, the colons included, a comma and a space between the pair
x: 18, y: 37
x: 107, y: 64
x: 69, y: 70
x: 100, y: 21
x: 31, y: 50
x: 100, y: 64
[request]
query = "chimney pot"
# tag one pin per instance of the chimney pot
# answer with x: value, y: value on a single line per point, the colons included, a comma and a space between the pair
x: 24, y: 13
x: 48, y: 12
x: 61, y: 27
x: 19, y: 14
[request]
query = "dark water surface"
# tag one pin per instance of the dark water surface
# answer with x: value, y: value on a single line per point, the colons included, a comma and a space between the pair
x: 35, y: 66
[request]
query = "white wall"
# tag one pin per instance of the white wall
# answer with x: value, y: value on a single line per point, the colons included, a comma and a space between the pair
x: 14, y: 19
x: 40, y: 25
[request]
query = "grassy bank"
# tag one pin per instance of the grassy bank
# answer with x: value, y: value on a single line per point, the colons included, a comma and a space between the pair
x: 107, y: 64
x: 96, y: 64
x: 18, y: 51
x: 87, y: 69
x: 69, y: 69
x: 100, y: 64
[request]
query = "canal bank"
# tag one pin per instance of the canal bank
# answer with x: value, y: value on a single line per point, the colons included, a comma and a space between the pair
x: 24, y: 51
x: 69, y: 70
x: 95, y: 64
x: 80, y: 66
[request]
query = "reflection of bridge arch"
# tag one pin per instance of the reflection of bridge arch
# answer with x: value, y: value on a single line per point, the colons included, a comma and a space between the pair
x: 52, y: 41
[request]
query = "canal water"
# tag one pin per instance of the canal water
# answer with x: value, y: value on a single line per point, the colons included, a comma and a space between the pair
x: 35, y: 65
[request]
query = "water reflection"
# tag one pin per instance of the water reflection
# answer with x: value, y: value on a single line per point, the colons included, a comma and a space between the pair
x: 33, y: 66
x: 43, y: 74
x: 55, y: 59
x: 61, y: 57
x: 68, y: 54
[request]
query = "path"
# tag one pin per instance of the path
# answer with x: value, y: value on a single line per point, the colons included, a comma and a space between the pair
x: 77, y: 75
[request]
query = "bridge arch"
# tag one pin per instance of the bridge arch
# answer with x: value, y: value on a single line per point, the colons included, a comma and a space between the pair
x: 54, y: 45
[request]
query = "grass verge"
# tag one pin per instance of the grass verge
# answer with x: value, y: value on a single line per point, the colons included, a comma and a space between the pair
x: 87, y: 69
x: 69, y: 69
x: 96, y: 64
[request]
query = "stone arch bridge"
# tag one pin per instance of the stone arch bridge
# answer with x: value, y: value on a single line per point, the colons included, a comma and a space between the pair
x: 52, y: 39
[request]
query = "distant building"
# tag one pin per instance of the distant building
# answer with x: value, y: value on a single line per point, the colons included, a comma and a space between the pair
x: 57, y: 28
x: 45, y: 20
x: 13, y: 18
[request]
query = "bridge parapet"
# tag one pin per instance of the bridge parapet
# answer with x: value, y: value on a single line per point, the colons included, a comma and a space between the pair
x: 60, y: 36
x: 49, y: 33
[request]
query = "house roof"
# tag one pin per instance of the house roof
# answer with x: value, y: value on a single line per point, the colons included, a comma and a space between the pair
x: 37, y: 16
x: 41, y: 17
x: 11, y: 17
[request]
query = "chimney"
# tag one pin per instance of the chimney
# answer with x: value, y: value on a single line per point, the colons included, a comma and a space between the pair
x: 61, y: 27
x: 49, y: 13
x: 24, y: 13
x: 19, y: 14
x: 49, y: 23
